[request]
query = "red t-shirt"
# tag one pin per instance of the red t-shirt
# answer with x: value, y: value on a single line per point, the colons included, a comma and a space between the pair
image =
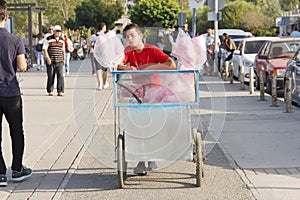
x: 149, y: 55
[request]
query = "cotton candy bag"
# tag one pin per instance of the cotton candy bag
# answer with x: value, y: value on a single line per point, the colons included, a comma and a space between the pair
x: 109, y: 50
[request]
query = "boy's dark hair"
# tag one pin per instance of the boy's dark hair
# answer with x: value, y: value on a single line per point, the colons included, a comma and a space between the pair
x: 3, y: 9
x: 101, y: 25
x: 132, y: 26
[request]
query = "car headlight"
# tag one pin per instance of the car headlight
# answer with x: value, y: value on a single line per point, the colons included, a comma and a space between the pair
x: 279, y: 72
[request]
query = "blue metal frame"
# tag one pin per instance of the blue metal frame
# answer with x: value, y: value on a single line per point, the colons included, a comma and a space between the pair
x: 115, y: 74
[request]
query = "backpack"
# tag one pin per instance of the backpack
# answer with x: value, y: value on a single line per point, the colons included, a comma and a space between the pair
x: 39, y: 47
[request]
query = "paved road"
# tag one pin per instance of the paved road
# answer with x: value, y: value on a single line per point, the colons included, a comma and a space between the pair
x: 69, y: 145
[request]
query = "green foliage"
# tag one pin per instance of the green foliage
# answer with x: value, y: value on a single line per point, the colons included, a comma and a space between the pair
x: 155, y: 13
x: 288, y: 5
x: 56, y: 12
x: 91, y: 13
x: 202, y: 23
x: 254, y: 16
x: 240, y: 15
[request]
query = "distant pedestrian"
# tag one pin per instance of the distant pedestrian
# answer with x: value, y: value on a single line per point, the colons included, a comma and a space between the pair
x: 50, y: 31
x: 38, y: 52
x: 185, y: 28
x: 84, y: 46
x: 90, y: 49
x: 12, y: 57
x: 101, y: 71
x: 69, y: 47
x: 295, y: 33
x: 120, y: 35
x: 210, y: 47
x: 54, y: 51
x: 228, y: 45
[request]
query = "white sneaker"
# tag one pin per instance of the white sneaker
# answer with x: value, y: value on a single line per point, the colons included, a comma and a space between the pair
x: 106, y: 85
x: 99, y: 88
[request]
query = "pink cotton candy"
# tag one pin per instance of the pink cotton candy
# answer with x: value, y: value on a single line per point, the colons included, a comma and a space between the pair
x: 200, y: 49
x: 191, y: 53
x: 175, y: 88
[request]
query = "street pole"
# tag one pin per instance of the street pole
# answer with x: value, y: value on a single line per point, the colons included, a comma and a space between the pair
x: 194, y: 21
x: 216, y: 37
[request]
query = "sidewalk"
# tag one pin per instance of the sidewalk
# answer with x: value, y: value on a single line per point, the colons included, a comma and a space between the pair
x: 62, y: 133
x: 51, y: 125
x: 262, y: 141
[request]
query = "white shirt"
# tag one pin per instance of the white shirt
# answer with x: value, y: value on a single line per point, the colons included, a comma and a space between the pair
x: 92, y: 40
x: 295, y: 34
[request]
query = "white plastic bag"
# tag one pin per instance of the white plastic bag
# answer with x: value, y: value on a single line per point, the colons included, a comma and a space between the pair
x: 109, y: 50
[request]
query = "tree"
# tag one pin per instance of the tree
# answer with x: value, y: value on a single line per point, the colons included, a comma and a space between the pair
x: 234, y: 13
x: 91, y: 12
x: 257, y: 18
x: 155, y: 13
x: 288, y: 5
x: 202, y: 22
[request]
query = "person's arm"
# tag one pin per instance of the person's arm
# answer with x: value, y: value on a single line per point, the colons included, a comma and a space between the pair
x: 21, y: 62
x: 45, y: 52
x: 122, y: 66
x: 169, y: 64
x: 64, y: 52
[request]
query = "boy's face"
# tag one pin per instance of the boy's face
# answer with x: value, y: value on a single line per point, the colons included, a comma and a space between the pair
x: 133, y: 38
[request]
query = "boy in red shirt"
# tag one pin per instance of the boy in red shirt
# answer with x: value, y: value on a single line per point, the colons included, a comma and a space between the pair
x: 140, y: 56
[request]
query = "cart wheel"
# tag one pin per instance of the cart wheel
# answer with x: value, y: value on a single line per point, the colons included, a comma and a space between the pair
x: 121, y: 161
x: 199, y: 159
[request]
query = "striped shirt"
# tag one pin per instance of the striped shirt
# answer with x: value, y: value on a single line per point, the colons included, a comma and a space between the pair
x: 55, y: 48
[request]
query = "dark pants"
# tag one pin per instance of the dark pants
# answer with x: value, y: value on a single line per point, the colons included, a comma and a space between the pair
x: 56, y: 68
x: 12, y: 107
x: 230, y: 56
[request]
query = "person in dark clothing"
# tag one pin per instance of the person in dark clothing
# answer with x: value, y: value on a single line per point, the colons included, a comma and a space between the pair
x: 229, y: 45
x: 12, y: 57
x: 187, y: 31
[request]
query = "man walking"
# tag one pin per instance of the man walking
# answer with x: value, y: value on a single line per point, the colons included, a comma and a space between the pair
x: 54, y: 51
x: 210, y: 44
x: 12, y: 57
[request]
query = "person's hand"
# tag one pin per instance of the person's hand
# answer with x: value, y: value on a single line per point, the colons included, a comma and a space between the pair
x: 48, y: 60
x: 133, y: 68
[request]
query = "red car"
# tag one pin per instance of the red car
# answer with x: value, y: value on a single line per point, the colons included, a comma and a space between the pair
x: 272, y: 59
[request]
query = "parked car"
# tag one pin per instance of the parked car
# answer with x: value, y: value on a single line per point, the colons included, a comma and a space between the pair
x: 293, y: 72
x: 247, y: 49
x: 234, y: 33
x: 272, y: 58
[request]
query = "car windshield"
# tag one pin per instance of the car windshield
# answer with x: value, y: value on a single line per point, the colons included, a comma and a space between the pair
x: 252, y: 47
x: 284, y: 49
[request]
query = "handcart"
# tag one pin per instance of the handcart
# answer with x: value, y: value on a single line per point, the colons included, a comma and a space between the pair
x: 152, y: 118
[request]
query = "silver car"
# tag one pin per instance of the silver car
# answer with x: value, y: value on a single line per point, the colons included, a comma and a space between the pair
x: 245, y: 55
x: 293, y: 72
